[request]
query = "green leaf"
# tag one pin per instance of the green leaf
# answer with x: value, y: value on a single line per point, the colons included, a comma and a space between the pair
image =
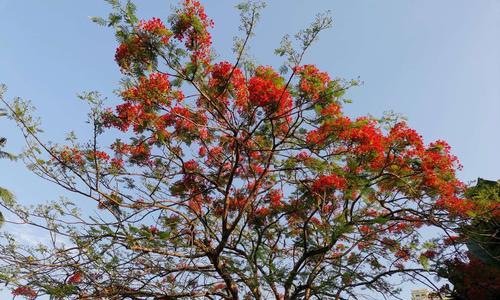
x: 131, y: 9
x: 164, y: 235
x: 99, y: 21
x: 114, y: 19
x: 7, y: 197
x: 424, y: 261
x: 380, y: 220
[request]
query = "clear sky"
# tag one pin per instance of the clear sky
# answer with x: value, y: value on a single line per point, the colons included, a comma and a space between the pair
x: 435, y: 61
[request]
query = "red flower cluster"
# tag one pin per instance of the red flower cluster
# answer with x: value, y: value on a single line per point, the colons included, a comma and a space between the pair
x: 436, y: 160
x: 402, y: 136
x: 456, y: 206
x: 364, y: 229
x: 129, y: 51
x: 262, y: 212
x: 331, y: 110
x: 25, y: 291
x: 364, y: 137
x: 430, y: 254
x: 312, y: 81
x: 71, y: 156
x: 139, y: 152
x: 399, y: 227
x: 403, y: 253
x: 142, y: 103
x: 190, y: 166
x: 225, y: 81
x: 154, y: 89
x: 452, y: 239
x: 75, y: 278
x: 153, y: 230
x: 155, y: 27
x: 126, y: 113
x: 302, y: 156
x: 218, y: 286
x: 402, y: 150
x: 237, y: 203
x: 329, y: 129
x: 191, y: 24
x: 182, y: 119
x: 267, y: 90
x: 99, y: 155
x: 135, y: 51
x: 328, y: 182
x: 275, y: 198
x: 195, y: 205
x: 116, y: 163
x: 438, y: 168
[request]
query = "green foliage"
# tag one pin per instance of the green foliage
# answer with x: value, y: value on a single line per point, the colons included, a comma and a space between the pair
x: 7, y: 197
x: 484, y: 232
x: 59, y: 292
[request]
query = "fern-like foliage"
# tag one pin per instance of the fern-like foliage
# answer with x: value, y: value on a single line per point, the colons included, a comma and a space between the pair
x: 6, y: 197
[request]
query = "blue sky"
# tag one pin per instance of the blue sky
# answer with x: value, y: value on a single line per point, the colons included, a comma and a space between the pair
x: 436, y: 62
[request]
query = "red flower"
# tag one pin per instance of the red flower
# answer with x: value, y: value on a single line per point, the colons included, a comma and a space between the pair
x: 126, y: 114
x: 364, y: 229
x: 140, y: 152
x: 262, y: 212
x: 71, y: 156
x: 275, y: 197
x: 75, y: 278
x: 100, y: 155
x: 156, y: 28
x: 403, y: 136
x: 328, y: 182
x: 267, y: 90
x: 226, y: 80
x: 153, y: 230
x: 331, y: 110
x: 456, y: 206
x: 330, y: 128
x: 202, y: 151
x: 218, y: 286
x: 364, y: 137
x: 116, y: 163
x: 312, y: 82
x: 403, y: 253
x: 122, y: 53
x: 25, y: 291
x: 195, y: 204
x: 190, y: 24
x: 154, y: 89
x: 430, y: 254
x: 191, y: 166
x: 135, y: 51
x: 316, y: 221
x: 303, y: 155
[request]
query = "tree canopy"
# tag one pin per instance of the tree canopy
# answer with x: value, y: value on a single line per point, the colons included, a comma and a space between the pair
x: 230, y: 180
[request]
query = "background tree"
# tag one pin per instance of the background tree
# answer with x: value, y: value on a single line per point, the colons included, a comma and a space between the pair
x: 476, y: 275
x: 229, y: 180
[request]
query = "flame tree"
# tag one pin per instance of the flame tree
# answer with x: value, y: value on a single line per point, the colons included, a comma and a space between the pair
x: 229, y: 180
